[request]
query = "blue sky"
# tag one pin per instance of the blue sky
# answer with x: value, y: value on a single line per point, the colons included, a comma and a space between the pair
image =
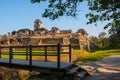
x: 15, y: 15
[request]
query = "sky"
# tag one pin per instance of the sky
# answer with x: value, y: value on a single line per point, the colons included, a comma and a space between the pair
x: 15, y: 15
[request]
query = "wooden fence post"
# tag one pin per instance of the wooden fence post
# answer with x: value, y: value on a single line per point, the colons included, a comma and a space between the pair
x: 10, y: 56
x: 0, y: 51
x: 30, y: 57
x: 70, y: 53
x: 26, y: 52
x: 58, y: 55
x: 45, y: 53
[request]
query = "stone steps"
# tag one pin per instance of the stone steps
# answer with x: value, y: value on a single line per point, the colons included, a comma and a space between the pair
x: 76, y: 72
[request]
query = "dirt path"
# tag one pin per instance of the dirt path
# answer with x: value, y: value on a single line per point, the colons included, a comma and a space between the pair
x: 106, y: 69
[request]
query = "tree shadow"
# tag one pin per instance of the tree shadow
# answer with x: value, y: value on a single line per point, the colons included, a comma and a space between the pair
x: 106, y: 69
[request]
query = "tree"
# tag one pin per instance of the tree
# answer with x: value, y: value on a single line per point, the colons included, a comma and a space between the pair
x: 101, y: 10
x: 115, y: 36
x: 114, y: 40
x: 94, y: 39
x: 102, y: 37
x: 116, y: 31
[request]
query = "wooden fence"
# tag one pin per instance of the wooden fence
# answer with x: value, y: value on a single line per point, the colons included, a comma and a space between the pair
x: 29, y: 52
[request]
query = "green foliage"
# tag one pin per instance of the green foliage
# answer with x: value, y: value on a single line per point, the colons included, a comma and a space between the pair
x: 115, y: 31
x: 101, y: 10
x: 94, y: 38
x: 102, y: 35
x: 114, y: 40
x: 57, y: 8
x: 103, y: 39
x: 104, y: 10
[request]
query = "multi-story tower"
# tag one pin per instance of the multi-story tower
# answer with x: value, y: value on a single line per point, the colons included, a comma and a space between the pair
x: 37, y: 24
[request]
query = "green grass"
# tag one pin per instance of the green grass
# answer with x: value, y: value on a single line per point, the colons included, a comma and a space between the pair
x: 98, y: 55
x: 21, y: 54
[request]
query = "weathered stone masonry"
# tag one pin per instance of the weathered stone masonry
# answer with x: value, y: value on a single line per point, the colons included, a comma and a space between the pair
x: 42, y: 36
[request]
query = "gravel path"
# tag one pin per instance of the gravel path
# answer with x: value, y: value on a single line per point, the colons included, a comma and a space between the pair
x: 106, y: 69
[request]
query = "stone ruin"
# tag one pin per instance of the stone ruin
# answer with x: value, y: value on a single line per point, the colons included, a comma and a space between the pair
x: 42, y: 36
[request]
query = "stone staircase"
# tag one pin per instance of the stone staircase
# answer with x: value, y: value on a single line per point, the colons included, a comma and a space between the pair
x: 76, y: 72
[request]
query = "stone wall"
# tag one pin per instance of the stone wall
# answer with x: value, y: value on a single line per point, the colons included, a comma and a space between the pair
x: 78, y: 41
x: 52, y: 41
x: 75, y: 43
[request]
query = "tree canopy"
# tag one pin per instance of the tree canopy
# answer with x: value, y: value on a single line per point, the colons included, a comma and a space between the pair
x: 104, y: 10
x: 101, y: 10
x: 57, y: 8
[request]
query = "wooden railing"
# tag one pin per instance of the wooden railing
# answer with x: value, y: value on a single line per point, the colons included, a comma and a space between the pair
x: 29, y: 52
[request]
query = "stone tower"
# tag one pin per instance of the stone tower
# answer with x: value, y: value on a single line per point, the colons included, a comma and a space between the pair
x: 37, y: 24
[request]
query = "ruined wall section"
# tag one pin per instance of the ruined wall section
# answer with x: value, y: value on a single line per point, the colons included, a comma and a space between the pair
x: 75, y: 43
x: 52, y: 41
x: 83, y: 41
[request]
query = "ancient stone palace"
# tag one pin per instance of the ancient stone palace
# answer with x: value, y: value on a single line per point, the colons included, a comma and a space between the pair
x: 42, y: 36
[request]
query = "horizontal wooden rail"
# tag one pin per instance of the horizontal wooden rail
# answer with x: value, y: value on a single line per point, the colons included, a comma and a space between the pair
x: 38, y: 46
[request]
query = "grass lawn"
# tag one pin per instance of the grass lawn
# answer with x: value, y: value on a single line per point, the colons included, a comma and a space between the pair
x: 36, y: 55
x: 98, y: 55
x: 84, y: 55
